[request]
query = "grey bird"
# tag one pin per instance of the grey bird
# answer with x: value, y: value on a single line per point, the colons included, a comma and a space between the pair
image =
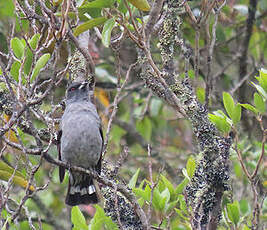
x: 80, y: 143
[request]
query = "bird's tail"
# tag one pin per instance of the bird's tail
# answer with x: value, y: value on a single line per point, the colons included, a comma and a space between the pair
x: 81, y: 190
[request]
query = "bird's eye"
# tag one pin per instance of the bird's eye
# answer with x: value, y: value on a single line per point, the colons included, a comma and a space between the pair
x: 72, y: 89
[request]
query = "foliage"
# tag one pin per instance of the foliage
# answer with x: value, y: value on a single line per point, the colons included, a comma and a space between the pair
x: 38, y: 42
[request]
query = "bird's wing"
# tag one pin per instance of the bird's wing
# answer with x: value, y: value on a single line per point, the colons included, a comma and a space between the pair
x: 98, y: 166
x: 61, y: 169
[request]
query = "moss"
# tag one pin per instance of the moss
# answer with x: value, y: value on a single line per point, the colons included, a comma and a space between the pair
x: 78, y: 67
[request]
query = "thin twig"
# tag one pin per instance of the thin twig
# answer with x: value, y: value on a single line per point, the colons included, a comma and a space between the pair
x: 115, y: 107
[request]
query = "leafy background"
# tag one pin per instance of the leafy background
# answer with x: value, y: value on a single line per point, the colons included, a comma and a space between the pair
x: 154, y: 143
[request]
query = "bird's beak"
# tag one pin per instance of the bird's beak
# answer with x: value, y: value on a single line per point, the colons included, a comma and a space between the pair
x: 83, y: 85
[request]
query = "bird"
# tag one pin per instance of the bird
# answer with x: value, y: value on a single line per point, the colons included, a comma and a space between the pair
x: 80, y: 143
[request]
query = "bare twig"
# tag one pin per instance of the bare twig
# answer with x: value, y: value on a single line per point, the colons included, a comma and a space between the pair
x: 115, y: 107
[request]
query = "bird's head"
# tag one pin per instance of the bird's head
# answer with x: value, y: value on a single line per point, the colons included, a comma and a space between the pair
x: 78, y: 91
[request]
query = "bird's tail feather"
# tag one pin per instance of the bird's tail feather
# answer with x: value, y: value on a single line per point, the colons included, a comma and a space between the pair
x: 81, y: 190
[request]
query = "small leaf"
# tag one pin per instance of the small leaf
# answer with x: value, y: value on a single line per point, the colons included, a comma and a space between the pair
x: 180, y: 213
x: 180, y: 188
x: 7, y: 9
x: 190, y: 166
x: 244, y: 206
x: 245, y: 227
x: 89, y: 25
x: 260, y: 90
x: 147, y: 193
x: 28, y: 61
x: 139, y: 193
x: 165, y: 198
x: 236, y: 114
x: 78, y: 219
x: 14, y: 71
x: 18, y: 179
x: 220, y: 123
x: 185, y: 174
x: 17, y: 47
x: 134, y: 178
x: 233, y: 212
x: 39, y: 65
x: 98, y: 4
x: 34, y: 41
x: 200, y: 92
x: 100, y: 220
x: 122, y: 8
x: 140, y: 4
x: 145, y: 128
x: 155, y: 106
x: 263, y: 79
x: 168, y: 184
x: 259, y: 103
x: 171, y: 205
x: 182, y: 202
x: 5, y: 167
x: 250, y: 107
x: 156, y: 199
x: 106, y: 33
x: 229, y: 104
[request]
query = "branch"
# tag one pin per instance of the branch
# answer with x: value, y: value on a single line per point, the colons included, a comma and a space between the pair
x: 153, y: 17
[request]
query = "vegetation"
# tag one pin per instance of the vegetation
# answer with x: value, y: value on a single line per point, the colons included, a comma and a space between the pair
x: 181, y: 87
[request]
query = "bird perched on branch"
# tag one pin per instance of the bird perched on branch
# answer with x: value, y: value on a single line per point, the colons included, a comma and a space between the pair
x: 80, y: 143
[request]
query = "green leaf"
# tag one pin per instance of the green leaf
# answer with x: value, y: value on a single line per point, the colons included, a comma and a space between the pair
x: 233, y: 212
x: 101, y: 220
x: 140, y: 4
x: 14, y: 71
x: 89, y: 25
x: 220, y: 122
x: 200, y: 92
x: 236, y: 114
x: 180, y: 214
x: 145, y: 128
x: 244, y: 206
x: 156, y: 199
x: 78, y: 219
x: 180, y: 188
x: 229, y: 104
x: 5, y: 167
x: 6, y: 172
x: 190, y: 166
x: 171, y: 205
x: 134, y: 178
x: 39, y: 65
x: 140, y: 193
x: 122, y: 8
x: 155, y: 106
x: 259, y: 103
x: 98, y: 4
x: 168, y: 184
x: 106, y: 33
x: 245, y: 227
x: 17, y: 47
x: 182, y: 202
x: 147, y: 193
x: 7, y: 8
x: 34, y: 41
x: 263, y: 79
x: 28, y: 61
x: 165, y: 198
x: 260, y: 90
x: 250, y: 107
